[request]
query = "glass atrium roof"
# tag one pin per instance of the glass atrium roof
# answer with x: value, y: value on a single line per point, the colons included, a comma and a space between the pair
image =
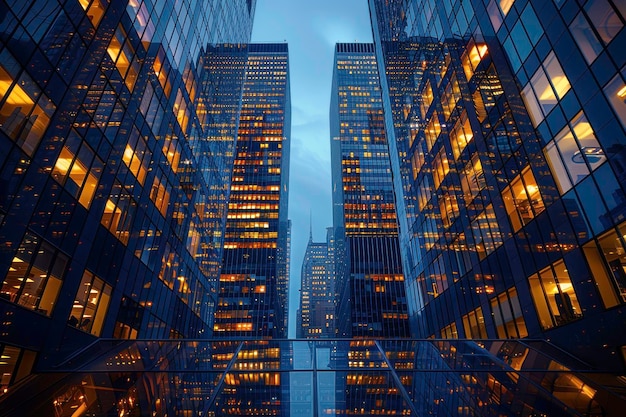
x: 318, y: 378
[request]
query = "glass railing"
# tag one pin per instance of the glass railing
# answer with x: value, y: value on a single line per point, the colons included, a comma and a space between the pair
x: 318, y: 378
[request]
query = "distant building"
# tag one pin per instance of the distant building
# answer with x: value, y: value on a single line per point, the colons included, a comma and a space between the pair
x: 117, y: 133
x: 370, y: 283
x: 253, y: 283
x: 317, y: 291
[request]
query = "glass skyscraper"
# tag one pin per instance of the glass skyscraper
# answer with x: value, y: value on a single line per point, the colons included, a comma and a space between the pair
x: 506, y: 123
x: 253, y: 282
x: 117, y: 129
x: 370, y: 282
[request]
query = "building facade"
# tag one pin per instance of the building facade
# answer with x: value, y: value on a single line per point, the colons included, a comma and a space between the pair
x: 370, y: 283
x: 117, y: 129
x: 317, y: 290
x: 506, y: 123
x: 253, y: 288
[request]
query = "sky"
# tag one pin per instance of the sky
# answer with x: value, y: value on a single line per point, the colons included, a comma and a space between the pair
x: 311, y: 30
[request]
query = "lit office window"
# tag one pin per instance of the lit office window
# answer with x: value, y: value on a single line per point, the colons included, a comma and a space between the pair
x: 35, y: 276
x: 607, y: 261
x: 461, y: 135
x: 16, y: 364
x: 441, y: 167
x: 118, y: 213
x: 472, y: 178
x: 25, y: 111
x: 486, y: 232
x: 474, y: 324
x: 472, y: 57
x: 574, y: 153
x: 505, y: 6
x: 507, y: 315
x: 554, y: 296
x: 137, y: 156
x: 91, y: 304
x: 546, y: 87
x: 78, y: 169
x: 93, y: 9
x: 450, y: 332
x: 522, y: 199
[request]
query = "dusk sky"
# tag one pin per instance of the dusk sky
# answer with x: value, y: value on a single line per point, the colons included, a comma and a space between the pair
x: 311, y: 30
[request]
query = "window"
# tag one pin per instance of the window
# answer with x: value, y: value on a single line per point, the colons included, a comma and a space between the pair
x: 440, y: 167
x: 450, y: 332
x: 472, y: 57
x: 118, y: 213
x: 432, y: 131
x: 472, y: 178
x: 486, y: 232
x: 547, y: 86
x: 607, y: 261
x: 554, y: 296
x: 474, y: 324
x: 35, y: 275
x: 615, y: 91
x: 91, y: 304
x: 16, y: 363
x: 507, y: 315
x: 25, y: 111
x: 78, y: 169
x: 522, y: 199
x: 461, y: 135
x: 574, y: 153
x: 136, y: 156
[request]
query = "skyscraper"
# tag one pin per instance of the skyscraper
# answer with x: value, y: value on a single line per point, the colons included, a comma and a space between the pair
x: 117, y: 131
x: 506, y: 122
x: 370, y: 282
x: 252, y: 294
x: 317, y: 290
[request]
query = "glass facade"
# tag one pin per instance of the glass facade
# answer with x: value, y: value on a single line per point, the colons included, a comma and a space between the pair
x: 331, y: 377
x: 506, y: 132
x: 253, y: 281
x: 117, y: 129
x: 370, y: 283
x: 316, y: 316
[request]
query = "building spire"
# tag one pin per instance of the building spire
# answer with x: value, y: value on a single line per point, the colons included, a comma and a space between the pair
x: 310, y: 226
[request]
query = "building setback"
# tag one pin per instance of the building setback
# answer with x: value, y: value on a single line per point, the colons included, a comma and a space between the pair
x: 253, y: 286
x: 370, y: 282
x: 506, y: 124
x: 116, y: 148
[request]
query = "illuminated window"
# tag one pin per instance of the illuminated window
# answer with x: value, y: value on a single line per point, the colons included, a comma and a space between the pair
x: 474, y: 324
x: 16, y: 364
x: 472, y: 178
x: 427, y: 99
x: 507, y: 315
x: 35, y: 276
x: 94, y: 12
x: 441, y: 167
x: 546, y: 87
x: 136, y: 156
x: 460, y: 135
x: 574, y: 153
x: 486, y: 232
x: 26, y: 111
x: 122, y: 54
x: 91, y: 304
x: 554, y: 296
x: 118, y: 213
x: 522, y: 199
x: 505, y: 6
x: 78, y: 171
x: 607, y: 261
x: 450, y: 332
x: 472, y: 57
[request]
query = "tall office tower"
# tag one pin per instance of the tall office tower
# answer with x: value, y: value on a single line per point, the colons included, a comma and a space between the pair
x: 112, y: 187
x: 317, y: 291
x: 370, y: 282
x: 252, y: 295
x: 507, y: 137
